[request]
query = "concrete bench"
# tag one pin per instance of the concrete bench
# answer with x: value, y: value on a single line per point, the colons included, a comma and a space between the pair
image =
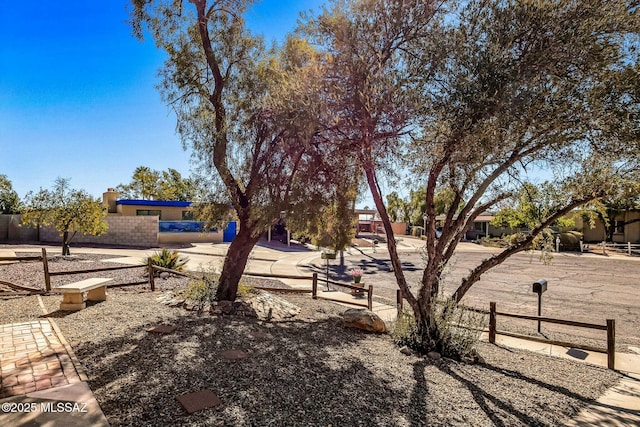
x: 73, y: 293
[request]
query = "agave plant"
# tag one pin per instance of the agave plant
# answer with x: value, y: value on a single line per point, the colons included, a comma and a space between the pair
x: 170, y: 259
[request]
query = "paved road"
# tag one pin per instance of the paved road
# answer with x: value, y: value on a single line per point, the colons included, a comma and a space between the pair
x: 583, y: 287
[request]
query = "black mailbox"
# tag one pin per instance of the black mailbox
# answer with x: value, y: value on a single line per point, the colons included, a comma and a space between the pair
x: 540, y: 286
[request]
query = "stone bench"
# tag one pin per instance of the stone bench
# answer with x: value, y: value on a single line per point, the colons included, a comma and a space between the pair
x: 73, y: 293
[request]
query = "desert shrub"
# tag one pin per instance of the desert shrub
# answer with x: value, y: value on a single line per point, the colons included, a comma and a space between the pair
x: 459, y: 328
x: 570, y: 241
x: 202, y: 290
x: 168, y: 259
x: 245, y: 289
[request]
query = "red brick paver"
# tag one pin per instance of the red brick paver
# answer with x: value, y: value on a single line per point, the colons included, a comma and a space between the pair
x: 32, y: 357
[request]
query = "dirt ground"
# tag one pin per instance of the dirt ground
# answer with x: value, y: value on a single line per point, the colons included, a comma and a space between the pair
x: 581, y: 287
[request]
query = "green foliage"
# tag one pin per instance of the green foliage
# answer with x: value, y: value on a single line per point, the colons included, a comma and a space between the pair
x: 67, y: 210
x: 9, y: 200
x: 201, y: 291
x: 170, y: 259
x: 459, y: 328
x: 147, y: 184
x: 570, y: 241
x: 531, y: 206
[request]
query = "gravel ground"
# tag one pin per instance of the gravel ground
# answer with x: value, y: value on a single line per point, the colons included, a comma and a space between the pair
x: 309, y: 371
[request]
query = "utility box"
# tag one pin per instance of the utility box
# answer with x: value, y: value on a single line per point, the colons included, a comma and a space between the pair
x: 540, y: 286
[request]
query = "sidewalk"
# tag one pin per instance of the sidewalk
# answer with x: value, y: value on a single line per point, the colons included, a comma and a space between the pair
x: 41, y: 383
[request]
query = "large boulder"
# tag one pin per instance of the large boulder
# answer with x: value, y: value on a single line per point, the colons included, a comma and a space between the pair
x: 363, y: 319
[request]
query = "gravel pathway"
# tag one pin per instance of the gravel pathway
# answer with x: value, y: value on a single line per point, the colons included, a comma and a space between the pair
x: 309, y: 371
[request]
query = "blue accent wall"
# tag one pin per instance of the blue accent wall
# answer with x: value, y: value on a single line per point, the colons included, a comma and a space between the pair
x: 230, y: 232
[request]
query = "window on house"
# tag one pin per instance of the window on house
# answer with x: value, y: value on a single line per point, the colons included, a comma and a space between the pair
x: 620, y: 227
x: 187, y: 215
x: 149, y: 212
x: 478, y: 226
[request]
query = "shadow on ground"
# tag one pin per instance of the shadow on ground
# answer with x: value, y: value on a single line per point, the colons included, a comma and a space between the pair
x: 316, y: 373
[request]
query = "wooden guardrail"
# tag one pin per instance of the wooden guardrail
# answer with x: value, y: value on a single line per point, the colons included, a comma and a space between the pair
x: 368, y: 290
x: 151, y: 279
x: 610, y: 327
x: 48, y: 274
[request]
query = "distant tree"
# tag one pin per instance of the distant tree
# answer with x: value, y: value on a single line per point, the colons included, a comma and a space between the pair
x: 173, y: 186
x: 149, y: 184
x: 67, y: 210
x: 330, y: 220
x: 397, y: 207
x: 609, y: 209
x: 530, y: 206
x: 144, y: 185
x: 9, y: 200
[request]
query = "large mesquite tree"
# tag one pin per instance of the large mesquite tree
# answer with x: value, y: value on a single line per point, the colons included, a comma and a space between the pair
x: 477, y: 96
x: 250, y: 115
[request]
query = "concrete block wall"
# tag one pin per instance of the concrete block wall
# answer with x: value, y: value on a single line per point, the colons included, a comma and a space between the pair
x: 4, y: 227
x: 123, y: 231
x: 11, y: 230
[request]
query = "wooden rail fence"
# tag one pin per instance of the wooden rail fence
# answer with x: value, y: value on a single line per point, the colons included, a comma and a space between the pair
x: 151, y: 279
x: 610, y: 328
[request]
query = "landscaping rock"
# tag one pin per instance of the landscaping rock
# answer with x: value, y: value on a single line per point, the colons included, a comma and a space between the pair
x: 434, y: 355
x: 267, y: 306
x: 363, y: 319
x: 405, y: 350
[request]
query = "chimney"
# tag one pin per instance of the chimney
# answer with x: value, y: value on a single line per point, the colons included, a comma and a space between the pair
x: 109, y: 200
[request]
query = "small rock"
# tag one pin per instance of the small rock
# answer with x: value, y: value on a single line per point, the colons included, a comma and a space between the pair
x: 405, y: 350
x: 225, y: 307
x: 164, y: 275
x: 434, y: 355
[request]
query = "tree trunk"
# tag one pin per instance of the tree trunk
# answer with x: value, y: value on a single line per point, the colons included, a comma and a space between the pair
x: 65, y: 244
x: 235, y: 263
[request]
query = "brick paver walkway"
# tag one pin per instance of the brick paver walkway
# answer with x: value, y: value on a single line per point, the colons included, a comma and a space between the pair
x: 32, y: 357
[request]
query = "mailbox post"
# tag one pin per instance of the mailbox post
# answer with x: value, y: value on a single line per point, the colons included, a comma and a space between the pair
x: 539, y: 288
x: 327, y: 256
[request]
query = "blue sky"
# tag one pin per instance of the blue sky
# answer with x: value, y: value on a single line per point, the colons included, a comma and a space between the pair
x: 77, y: 95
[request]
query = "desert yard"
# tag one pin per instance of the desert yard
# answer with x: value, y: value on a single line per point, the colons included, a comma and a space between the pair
x: 313, y: 371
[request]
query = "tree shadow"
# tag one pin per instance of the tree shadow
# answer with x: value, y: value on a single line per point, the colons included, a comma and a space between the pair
x: 308, y: 372
x: 137, y: 376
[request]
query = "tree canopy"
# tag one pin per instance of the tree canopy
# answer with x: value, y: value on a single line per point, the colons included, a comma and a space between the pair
x: 472, y: 98
x: 68, y: 210
x: 9, y: 199
x: 476, y: 96
x: 149, y: 184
